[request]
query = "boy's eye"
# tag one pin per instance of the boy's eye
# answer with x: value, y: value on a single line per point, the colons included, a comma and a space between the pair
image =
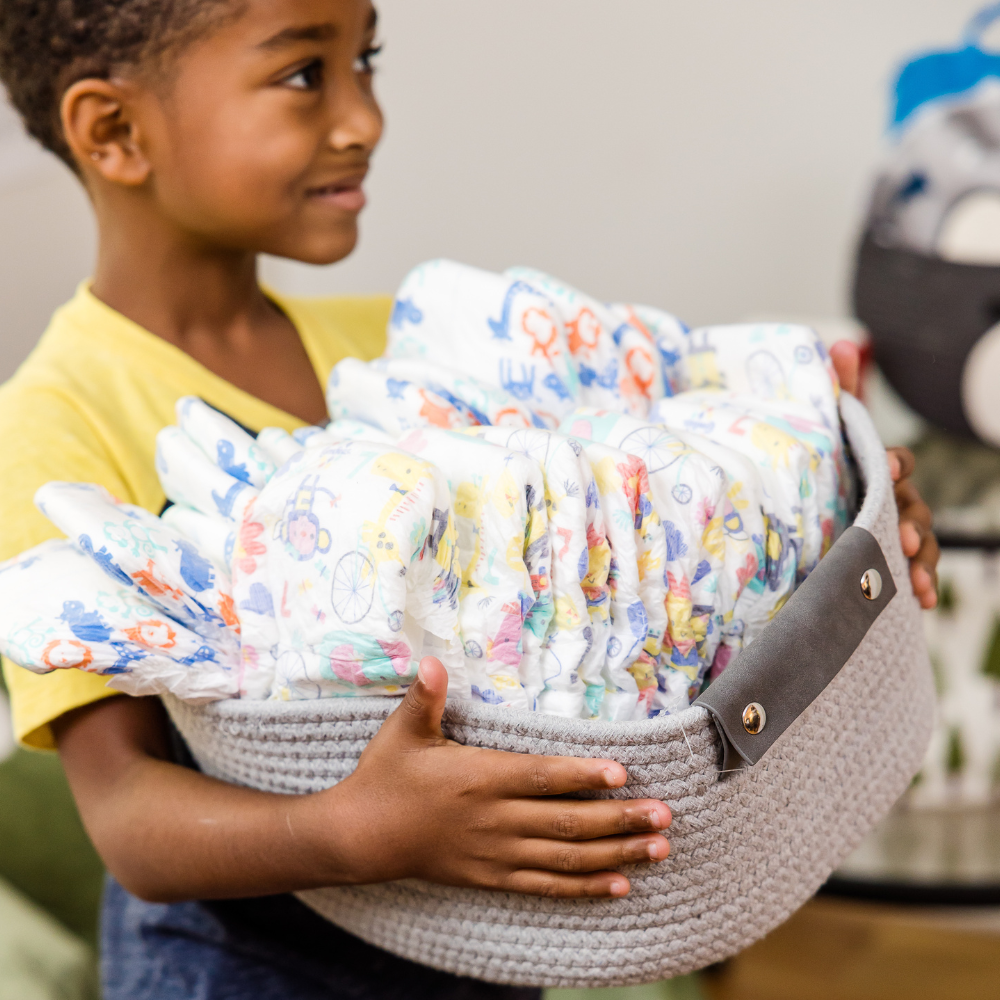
x: 309, y: 77
x: 363, y: 64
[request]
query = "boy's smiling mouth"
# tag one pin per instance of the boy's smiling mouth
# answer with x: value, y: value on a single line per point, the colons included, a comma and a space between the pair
x: 346, y: 194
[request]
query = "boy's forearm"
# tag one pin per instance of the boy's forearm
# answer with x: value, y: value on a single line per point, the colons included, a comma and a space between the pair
x: 417, y: 806
x: 168, y: 833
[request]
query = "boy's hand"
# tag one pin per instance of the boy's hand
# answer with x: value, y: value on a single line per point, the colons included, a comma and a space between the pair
x: 915, y: 533
x: 420, y: 805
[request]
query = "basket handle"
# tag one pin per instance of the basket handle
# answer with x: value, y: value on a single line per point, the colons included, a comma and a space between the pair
x: 790, y: 663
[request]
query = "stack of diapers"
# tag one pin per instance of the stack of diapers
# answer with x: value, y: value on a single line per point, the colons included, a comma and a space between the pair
x: 124, y: 595
x: 583, y: 509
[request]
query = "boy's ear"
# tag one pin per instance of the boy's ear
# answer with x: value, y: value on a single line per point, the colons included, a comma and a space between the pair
x: 101, y: 131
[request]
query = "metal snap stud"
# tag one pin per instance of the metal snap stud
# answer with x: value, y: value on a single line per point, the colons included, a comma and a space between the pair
x: 871, y: 584
x: 754, y: 718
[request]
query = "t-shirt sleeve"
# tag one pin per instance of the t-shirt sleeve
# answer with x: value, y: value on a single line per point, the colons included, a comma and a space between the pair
x: 45, y: 437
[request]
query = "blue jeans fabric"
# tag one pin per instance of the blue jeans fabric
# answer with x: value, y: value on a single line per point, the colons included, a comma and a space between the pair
x: 271, y: 948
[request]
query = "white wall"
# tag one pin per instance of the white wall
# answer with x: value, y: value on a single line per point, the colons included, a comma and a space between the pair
x: 711, y: 157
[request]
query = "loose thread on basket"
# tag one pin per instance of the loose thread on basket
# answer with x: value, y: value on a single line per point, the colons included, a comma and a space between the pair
x: 686, y: 740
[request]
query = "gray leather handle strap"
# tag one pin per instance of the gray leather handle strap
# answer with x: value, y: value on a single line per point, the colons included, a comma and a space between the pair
x: 768, y: 686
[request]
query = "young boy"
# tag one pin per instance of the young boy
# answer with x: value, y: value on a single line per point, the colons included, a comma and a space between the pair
x: 207, y: 132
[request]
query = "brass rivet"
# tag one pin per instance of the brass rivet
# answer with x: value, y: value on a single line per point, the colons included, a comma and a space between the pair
x: 871, y: 584
x: 754, y: 718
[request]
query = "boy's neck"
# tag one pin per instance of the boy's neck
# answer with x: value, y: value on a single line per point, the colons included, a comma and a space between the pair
x: 174, y: 287
x: 205, y: 300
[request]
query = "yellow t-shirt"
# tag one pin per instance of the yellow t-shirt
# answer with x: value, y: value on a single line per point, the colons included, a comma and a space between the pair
x: 86, y: 406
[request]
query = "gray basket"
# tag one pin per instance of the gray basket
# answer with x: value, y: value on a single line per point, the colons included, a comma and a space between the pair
x: 760, y: 821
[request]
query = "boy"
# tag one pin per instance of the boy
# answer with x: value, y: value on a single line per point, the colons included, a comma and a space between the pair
x: 207, y: 132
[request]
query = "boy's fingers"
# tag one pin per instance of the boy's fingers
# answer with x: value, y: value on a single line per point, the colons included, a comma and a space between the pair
x: 846, y: 360
x: 525, y: 775
x: 912, y: 507
x: 592, y: 855
x: 924, y: 586
x: 588, y: 820
x: 597, y: 885
x: 420, y: 711
x: 909, y: 537
x: 923, y: 571
x: 901, y: 463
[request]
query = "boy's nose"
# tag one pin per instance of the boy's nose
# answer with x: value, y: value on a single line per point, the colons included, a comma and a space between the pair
x: 356, y: 117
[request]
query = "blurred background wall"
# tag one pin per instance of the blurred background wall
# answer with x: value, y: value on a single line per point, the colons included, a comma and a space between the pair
x: 712, y: 158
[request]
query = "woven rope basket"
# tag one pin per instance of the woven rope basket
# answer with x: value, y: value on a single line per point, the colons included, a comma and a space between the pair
x: 759, y: 823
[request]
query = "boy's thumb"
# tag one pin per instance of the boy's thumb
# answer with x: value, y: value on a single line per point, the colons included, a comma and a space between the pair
x: 421, y: 710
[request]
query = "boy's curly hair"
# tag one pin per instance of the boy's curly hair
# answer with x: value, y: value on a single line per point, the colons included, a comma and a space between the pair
x: 48, y: 45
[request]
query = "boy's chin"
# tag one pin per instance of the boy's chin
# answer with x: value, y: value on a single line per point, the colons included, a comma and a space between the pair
x: 320, y: 249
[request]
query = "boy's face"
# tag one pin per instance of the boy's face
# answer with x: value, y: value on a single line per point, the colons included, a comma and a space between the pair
x: 262, y: 138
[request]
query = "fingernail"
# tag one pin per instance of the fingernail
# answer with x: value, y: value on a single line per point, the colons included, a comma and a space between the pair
x: 654, y: 852
x: 609, y: 778
x: 619, y: 887
x: 420, y: 673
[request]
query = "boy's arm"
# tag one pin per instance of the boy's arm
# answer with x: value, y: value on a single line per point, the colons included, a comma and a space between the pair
x: 418, y: 805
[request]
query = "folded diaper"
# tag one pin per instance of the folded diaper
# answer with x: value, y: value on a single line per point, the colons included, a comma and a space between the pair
x: 358, y: 390
x: 279, y: 551
x: 494, y: 328
x: 498, y: 497
x: 484, y: 403
x: 635, y: 578
x: 138, y: 550
x: 687, y: 492
x: 191, y: 478
x: 784, y: 465
x: 666, y: 332
x: 777, y: 362
x: 62, y: 609
x: 616, y: 362
x: 213, y: 537
x: 746, y: 596
x: 346, y: 570
x: 229, y: 446
x: 828, y: 462
x: 576, y: 641
x: 278, y: 445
